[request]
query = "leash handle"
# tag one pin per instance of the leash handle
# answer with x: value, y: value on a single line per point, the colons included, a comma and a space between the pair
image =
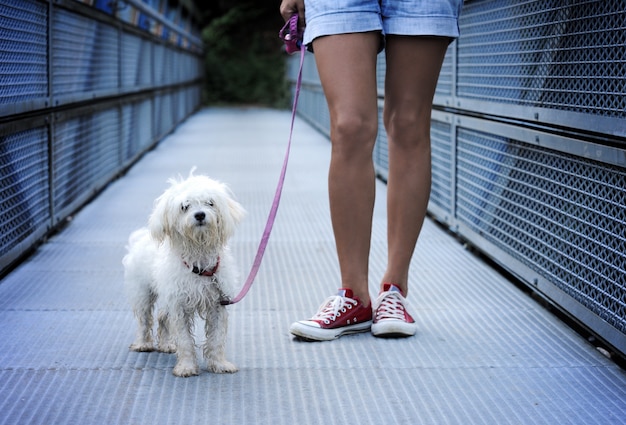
x: 272, y: 214
x: 291, y: 34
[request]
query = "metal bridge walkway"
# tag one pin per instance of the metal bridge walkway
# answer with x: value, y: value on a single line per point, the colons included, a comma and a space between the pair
x: 485, y: 352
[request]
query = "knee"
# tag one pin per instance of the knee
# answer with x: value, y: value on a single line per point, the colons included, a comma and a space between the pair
x: 354, y: 133
x: 408, y: 130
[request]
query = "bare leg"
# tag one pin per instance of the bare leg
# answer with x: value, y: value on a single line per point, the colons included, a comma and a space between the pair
x: 347, y: 68
x: 413, y: 66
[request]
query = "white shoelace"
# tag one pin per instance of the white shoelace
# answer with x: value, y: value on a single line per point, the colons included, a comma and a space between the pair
x: 390, y: 305
x: 333, y: 307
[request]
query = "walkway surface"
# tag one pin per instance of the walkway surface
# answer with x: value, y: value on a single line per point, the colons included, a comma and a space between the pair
x: 485, y: 352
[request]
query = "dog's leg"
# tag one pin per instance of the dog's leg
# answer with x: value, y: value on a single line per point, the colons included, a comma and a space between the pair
x: 215, y: 328
x: 182, y: 325
x: 143, y: 309
x: 166, y: 343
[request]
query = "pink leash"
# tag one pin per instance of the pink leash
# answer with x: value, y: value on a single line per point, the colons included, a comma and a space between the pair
x: 272, y: 215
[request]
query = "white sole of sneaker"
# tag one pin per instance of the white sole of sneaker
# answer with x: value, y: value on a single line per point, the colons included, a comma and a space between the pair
x: 312, y: 333
x: 393, y: 329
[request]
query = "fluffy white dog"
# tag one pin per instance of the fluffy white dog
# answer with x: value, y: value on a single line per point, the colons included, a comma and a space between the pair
x: 183, y: 260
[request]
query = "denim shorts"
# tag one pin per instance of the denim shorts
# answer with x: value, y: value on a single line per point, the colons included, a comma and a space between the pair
x: 397, y: 17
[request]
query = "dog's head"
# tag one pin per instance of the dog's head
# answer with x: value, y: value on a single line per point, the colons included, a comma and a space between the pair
x: 196, y: 210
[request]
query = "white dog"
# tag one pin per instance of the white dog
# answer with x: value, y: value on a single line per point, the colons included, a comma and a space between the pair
x: 182, y: 258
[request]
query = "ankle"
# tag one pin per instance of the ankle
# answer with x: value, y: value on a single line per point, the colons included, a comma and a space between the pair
x: 362, y: 296
x: 403, y: 288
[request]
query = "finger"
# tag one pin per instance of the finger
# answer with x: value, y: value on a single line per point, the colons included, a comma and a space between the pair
x: 287, y: 12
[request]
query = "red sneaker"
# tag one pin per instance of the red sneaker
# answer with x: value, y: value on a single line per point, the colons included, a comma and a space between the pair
x: 391, y: 320
x: 339, y: 315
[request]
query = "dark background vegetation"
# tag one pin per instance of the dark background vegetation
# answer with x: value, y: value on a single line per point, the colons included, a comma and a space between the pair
x: 245, y: 62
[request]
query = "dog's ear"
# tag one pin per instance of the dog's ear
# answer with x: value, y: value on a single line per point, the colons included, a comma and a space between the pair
x: 158, y: 222
x: 232, y: 213
x: 236, y: 210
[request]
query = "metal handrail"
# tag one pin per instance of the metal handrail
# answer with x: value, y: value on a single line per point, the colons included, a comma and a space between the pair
x: 153, y: 14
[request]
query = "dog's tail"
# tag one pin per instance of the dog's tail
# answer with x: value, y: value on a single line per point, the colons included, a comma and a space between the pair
x: 134, y: 240
x: 136, y: 236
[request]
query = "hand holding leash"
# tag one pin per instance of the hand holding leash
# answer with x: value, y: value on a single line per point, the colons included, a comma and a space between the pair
x: 288, y: 8
x: 292, y: 34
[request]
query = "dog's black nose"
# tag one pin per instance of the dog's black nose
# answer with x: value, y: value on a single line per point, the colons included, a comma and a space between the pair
x: 200, y: 216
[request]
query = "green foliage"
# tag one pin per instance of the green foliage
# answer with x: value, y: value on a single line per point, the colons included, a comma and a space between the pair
x: 244, y: 61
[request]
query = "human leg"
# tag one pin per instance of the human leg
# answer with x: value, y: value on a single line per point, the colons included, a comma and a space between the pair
x: 413, y: 66
x: 347, y: 68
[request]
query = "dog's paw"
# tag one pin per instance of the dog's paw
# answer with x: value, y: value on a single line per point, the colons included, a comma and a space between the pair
x: 222, y: 367
x: 166, y: 348
x: 184, y: 370
x: 142, y: 347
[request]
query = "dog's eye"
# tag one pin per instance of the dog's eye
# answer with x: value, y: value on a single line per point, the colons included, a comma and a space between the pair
x: 209, y: 203
x: 184, y: 207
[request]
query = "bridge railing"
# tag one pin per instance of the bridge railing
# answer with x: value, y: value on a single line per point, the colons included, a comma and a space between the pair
x: 85, y: 89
